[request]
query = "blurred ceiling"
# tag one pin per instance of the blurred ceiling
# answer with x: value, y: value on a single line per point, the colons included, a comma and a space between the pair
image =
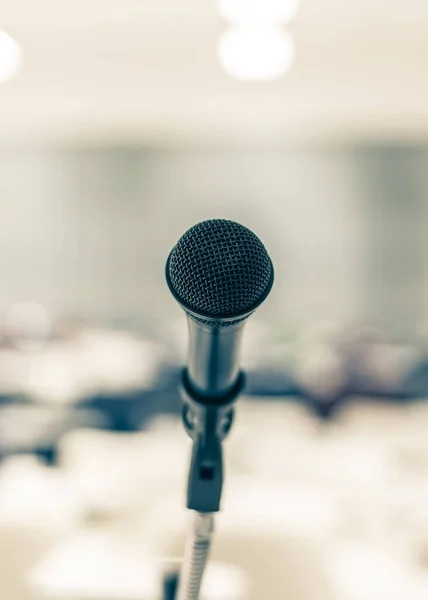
x: 147, y: 70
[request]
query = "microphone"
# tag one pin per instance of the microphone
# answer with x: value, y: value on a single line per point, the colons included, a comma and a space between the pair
x: 219, y: 272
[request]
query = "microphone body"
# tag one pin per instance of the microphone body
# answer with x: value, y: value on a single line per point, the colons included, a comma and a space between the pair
x: 219, y: 272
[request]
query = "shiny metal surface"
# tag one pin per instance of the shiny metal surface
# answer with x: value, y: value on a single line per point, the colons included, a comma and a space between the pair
x: 214, y: 357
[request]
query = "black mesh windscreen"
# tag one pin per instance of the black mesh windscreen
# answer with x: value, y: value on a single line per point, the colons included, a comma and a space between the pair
x: 219, y: 268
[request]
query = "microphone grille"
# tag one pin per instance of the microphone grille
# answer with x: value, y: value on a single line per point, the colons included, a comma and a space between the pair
x: 219, y: 268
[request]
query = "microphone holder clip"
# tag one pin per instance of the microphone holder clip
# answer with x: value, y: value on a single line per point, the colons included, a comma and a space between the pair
x: 207, y: 421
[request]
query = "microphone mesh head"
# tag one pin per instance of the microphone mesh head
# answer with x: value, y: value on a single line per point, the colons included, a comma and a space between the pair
x: 219, y: 268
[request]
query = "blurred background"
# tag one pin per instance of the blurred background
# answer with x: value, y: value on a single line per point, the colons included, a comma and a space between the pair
x: 122, y: 124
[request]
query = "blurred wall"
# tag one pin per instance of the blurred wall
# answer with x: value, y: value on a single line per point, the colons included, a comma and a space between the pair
x: 87, y: 231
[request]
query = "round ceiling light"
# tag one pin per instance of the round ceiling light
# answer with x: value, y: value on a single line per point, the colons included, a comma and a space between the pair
x: 256, y: 53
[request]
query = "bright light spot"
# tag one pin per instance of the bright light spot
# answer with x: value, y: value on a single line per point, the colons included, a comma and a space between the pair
x: 10, y: 57
x: 258, y: 12
x: 256, y: 54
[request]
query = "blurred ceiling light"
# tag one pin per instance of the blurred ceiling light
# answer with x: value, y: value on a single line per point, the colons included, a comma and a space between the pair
x: 258, y: 12
x: 10, y: 57
x: 256, y: 53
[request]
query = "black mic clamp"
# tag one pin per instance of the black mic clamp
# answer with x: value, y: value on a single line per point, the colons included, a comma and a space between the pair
x: 207, y: 423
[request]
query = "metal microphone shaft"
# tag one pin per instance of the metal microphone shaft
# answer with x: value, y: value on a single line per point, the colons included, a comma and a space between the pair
x: 213, y: 363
